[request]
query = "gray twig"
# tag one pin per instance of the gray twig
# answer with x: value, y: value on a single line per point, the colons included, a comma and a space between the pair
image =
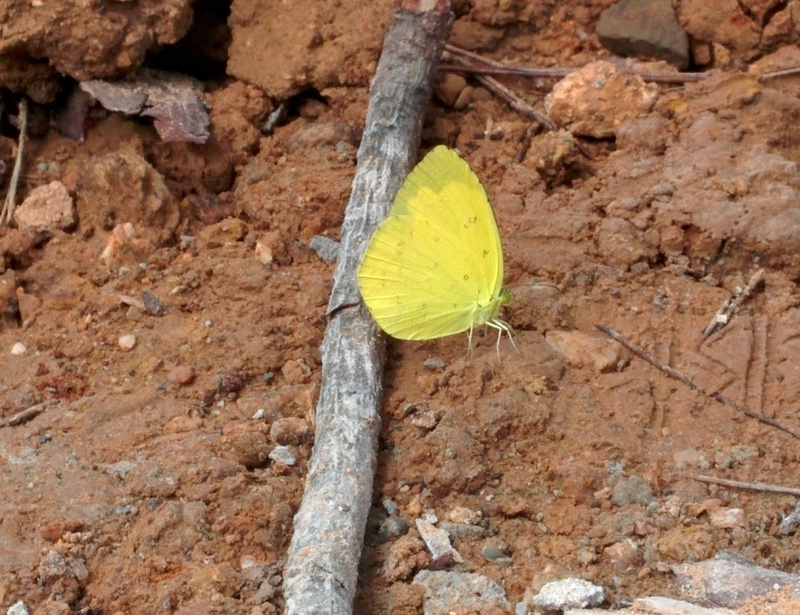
x: 23, y: 416
x: 322, y: 567
x: 738, y: 484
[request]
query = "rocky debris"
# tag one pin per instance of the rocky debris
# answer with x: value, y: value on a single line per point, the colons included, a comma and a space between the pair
x: 597, y: 98
x: 320, y: 134
x: 121, y: 187
x: 290, y: 430
x: 729, y: 581
x: 726, y: 23
x: 18, y: 608
x: 631, y: 490
x: 173, y: 100
x: 406, y: 555
x: 438, y: 543
x: 246, y: 443
x: 448, y: 591
x: 582, y: 350
x: 790, y: 522
x: 127, y: 341
x: 46, y: 209
x: 558, y: 596
x: 645, y: 28
x: 284, y: 455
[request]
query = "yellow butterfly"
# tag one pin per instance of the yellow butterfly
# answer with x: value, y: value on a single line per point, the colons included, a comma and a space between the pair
x: 434, y: 266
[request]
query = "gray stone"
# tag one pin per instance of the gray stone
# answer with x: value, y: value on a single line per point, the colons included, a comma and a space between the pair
x: 283, y: 454
x: 668, y: 606
x: 728, y: 582
x: 568, y: 594
x: 121, y: 468
x: 437, y: 541
x: 631, y: 490
x: 446, y: 591
x: 646, y: 28
x: 18, y: 608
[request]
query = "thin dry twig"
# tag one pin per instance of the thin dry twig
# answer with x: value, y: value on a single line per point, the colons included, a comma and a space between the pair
x: 784, y: 72
x: 516, y: 102
x: 729, y: 306
x: 675, y: 374
x: 11, y: 196
x: 322, y: 567
x: 490, y: 83
x: 738, y: 484
x: 493, y: 67
x: 488, y: 66
x: 23, y: 416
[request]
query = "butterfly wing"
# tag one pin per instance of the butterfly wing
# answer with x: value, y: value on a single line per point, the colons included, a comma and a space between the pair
x: 436, y: 260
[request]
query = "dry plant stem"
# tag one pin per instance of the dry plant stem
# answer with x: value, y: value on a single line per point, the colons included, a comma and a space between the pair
x: 673, y: 373
x: 10, y: 201
x: 322, y: 567
x: 23, y: 416
x: 516, y: 103
x: 560, y: 73
x: 729, y: 306
x: 738, y: 484
x: 492, y: 67
x: 507, y: 94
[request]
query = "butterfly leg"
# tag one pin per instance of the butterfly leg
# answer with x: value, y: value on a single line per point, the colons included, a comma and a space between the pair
x: 469, y: 340
x: 502, y: 327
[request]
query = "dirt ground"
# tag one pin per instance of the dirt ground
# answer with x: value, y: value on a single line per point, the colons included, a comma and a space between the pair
x: 150, y: 482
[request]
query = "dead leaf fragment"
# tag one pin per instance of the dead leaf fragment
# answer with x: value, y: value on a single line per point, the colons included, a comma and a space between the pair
x: 174, y: 100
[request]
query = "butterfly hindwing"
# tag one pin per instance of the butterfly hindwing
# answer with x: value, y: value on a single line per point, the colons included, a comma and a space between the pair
x: 437, y: 256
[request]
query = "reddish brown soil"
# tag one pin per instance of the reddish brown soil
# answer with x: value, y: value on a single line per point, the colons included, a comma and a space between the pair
x: 146, y: 486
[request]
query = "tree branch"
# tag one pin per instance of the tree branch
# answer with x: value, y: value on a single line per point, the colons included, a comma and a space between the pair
x: 322, y: 568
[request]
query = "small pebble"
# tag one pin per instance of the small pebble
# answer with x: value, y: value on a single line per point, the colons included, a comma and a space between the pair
x: 134, y: 314
x: 392, y: 527
x: 437, y: 541
x: 389, y: 506
x: 17, y: 608
x: 260, y: 415
x: 492, y: 552
x: 19, y: 348
x: 430, y: 515
x: 121, y: 468
x: 568, y: 594
x: 152, y: 303
x: 127, y: 342
x: 284, y: 455
x: 727, y: 518
x: 181, y: 375
x: 263, y: 253
x: 433, y: 364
